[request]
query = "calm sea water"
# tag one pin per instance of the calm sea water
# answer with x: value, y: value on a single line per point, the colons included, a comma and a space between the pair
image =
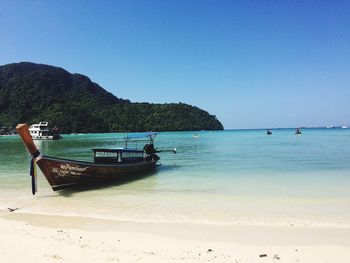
x: 222, y: 177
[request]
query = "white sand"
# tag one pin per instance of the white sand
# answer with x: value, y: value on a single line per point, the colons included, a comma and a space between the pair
x: 39, y: 238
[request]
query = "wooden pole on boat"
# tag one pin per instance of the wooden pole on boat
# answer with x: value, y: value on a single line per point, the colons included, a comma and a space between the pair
x: 22, y: 130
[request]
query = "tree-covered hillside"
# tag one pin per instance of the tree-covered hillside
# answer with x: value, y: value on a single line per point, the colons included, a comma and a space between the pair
x: 34, y: 92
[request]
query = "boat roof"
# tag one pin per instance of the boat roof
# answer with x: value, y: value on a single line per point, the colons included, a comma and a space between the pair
x: 116, y: 150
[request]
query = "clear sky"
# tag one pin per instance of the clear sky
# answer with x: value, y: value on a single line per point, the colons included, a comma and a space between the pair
x: 253, y: 64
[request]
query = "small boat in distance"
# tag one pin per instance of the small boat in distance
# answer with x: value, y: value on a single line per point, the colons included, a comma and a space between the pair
x: 297, y: 131
x: 109, y: 163
x: 42, y: 131
x: 268, y: 132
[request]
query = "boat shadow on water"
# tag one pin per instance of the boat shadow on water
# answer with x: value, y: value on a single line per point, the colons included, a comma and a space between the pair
x: 168, y: 167
x: 75, y: 189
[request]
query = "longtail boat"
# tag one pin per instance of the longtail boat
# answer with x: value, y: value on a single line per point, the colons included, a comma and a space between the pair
x: 109, y: 163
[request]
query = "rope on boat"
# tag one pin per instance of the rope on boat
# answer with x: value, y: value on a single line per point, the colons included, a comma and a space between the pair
x: 33, y: 171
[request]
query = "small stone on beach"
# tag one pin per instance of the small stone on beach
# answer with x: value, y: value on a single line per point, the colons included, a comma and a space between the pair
x: 210, y: 250
x: 262, y: 255
x: 56, y: 257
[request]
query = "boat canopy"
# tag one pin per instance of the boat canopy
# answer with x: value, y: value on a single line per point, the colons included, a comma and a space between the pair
x: 117, y: 150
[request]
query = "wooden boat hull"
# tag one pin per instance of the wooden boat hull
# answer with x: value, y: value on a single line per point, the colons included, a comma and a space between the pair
x: 63, y: 173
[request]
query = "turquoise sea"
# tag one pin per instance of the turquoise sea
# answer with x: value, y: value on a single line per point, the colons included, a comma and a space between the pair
x: 220, y: 177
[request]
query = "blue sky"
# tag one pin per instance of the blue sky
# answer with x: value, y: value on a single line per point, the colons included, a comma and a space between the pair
x: 253, y: 64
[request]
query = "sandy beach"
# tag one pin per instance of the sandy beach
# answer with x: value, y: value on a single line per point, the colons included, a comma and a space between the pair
x: 42, y: 238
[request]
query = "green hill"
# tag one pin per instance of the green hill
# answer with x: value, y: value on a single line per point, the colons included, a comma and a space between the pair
x: 34, y: 92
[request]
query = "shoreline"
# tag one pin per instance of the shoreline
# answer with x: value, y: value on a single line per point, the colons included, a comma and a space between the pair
x: 219, y: 232
x: 72, y: 239
x: 243, y: 212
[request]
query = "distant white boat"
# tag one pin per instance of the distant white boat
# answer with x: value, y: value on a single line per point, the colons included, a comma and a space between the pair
x: 42, y: 131
x: 344, y: 127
